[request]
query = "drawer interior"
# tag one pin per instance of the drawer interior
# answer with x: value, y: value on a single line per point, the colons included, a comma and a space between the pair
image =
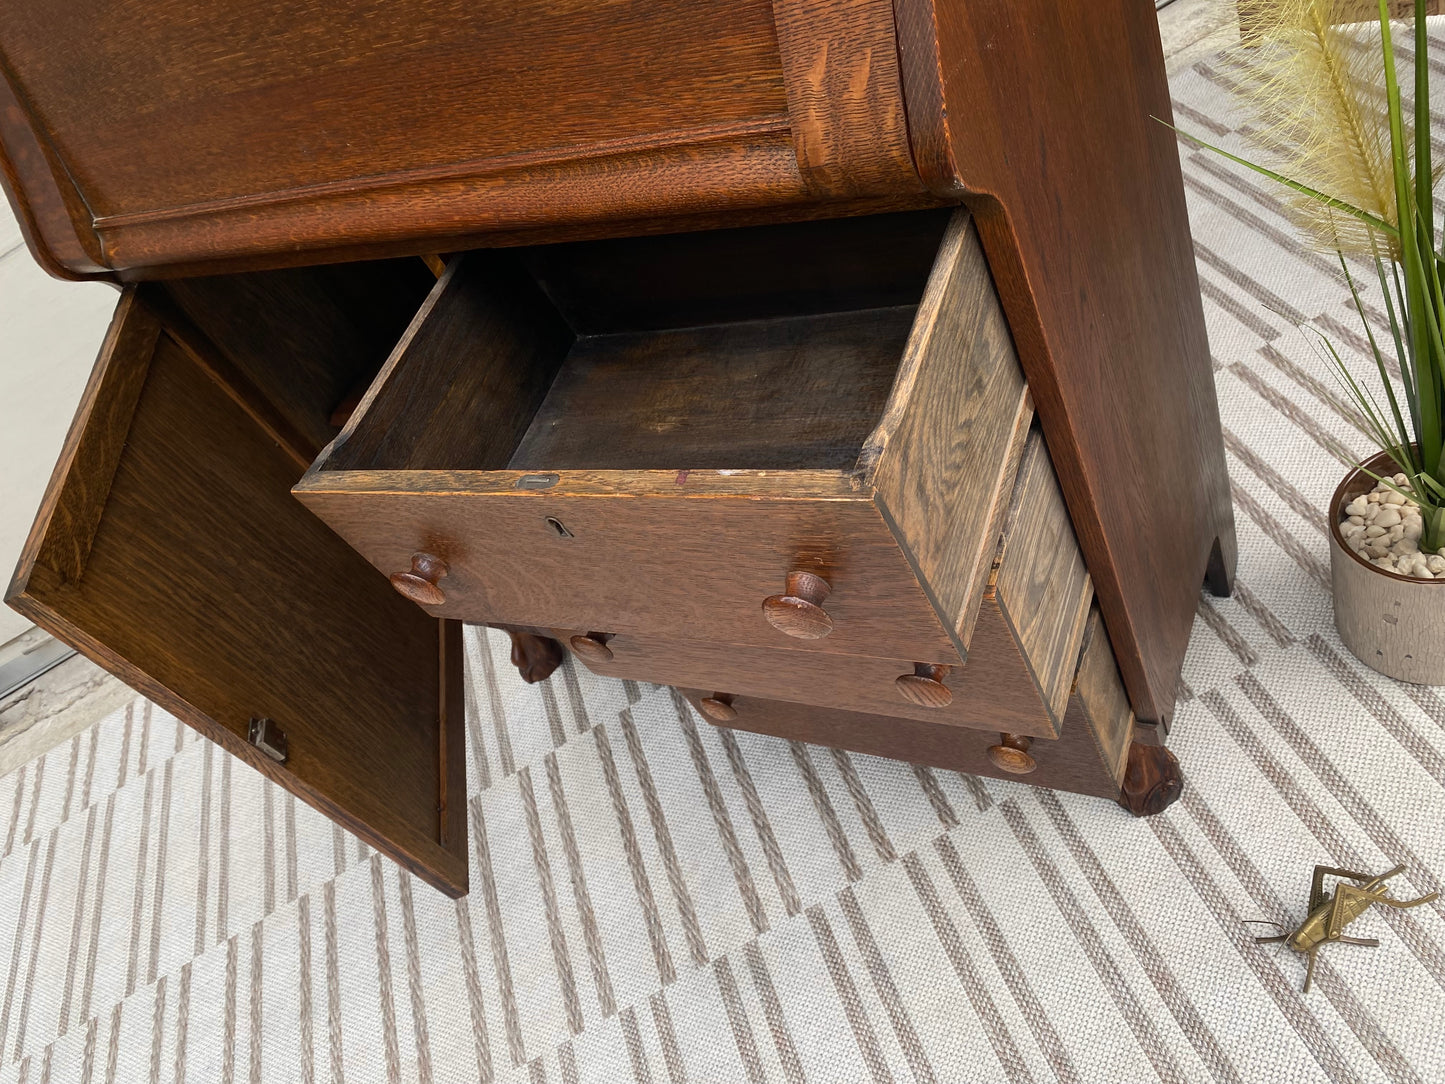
x: 769, y: 348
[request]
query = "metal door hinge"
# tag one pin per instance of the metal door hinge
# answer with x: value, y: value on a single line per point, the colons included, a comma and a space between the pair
x: 269, y: 738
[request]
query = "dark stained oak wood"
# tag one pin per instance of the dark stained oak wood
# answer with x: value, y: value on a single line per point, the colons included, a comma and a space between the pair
x: 924, y: 687
x: 691, y: 559
x: 1153, y: 782
x: 80, y: 487
x: 794, y: 393
x: 535, y: 657
x: 798, y: 612
x: 1039, y: 116
x: 592, y: 647
x: 845, y: 97
x: 209, y: 589
x: 688, y: 278
x: 469, y: 373
x: 419, y: 582
x: 306, y: 336
x: 1011, y: 755
x: 718, y: 708
x: 1070, y: 763
x: 275, y: 130
x: 997, y: 694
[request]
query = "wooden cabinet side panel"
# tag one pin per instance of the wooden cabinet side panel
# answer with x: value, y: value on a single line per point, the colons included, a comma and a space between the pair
x: 210, y: 589
x: 945, y: 454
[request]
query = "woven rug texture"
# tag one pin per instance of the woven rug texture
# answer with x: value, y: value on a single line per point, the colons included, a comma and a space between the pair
x: 657, y: 900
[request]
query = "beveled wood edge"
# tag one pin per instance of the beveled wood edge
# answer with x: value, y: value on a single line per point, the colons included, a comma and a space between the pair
x: 1355, y: 483
x: 127, y: 310
x: 633, y: 146
x: 452, y: 859
x: 806, y: 485
x: 935, y: 292
x: 390, y: 366
x: 52, y: 215
x: 754, y: 170
x: 667, y: 222
x: 836, y: 57
x: 235, y: 384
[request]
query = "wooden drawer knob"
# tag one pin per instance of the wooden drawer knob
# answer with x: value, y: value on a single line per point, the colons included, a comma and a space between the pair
x: 719, y: 708
x: 592, y: 647
x: 1011, y: 754
x: 420, y: 583
x: 799, y: 610
x: 925, y: 686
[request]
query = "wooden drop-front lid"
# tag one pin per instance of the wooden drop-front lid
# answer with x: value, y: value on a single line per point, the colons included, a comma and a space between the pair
x: 161, y: 137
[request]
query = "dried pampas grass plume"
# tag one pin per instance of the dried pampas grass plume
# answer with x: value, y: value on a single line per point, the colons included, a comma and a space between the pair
x: 1317, y: 87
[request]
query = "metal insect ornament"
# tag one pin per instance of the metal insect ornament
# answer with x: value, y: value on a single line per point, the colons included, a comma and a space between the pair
x: 1330, y: 914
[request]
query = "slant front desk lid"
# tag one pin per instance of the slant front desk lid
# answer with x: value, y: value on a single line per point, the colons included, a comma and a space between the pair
x: 147, y: 137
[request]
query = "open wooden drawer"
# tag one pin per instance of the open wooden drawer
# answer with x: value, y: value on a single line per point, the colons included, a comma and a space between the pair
x: 170, y: 550
x: 1022, y: 657
x: 801, y: 437
x: 1090, y: 754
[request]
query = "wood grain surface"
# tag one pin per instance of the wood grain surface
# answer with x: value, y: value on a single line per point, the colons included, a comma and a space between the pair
x: 273, y: 131
x: 80, y: 485
x: 462, y: 385
x: 850, y: 682
x: 1040, y: 116
x: 1098, y: 701
x: 208, y: 588
x: 678, y: 557
x: 306, y: 336
x: 712, y: 275
x: 1041, y: 583
x: 789, y: 393
x: 845, y: 97
x: 1070, y: 763
x: 946, y: 448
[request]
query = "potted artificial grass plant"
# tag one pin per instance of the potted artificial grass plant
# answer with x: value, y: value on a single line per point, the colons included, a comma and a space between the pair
x: 1363, y: 184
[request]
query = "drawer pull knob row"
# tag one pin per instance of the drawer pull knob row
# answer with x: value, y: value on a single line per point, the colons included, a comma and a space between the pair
x: 592, y: 647
x: 925, y: 686
x: 1011, y: 754
x: 719, y: 708
x: 799, y: 612
x: 420, y: 583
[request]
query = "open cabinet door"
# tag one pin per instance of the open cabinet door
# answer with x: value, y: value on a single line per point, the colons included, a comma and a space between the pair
x: 169, y: 549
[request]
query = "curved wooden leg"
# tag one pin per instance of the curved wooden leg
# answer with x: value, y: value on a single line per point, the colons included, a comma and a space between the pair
x: 1219, y: 573
x: 1153, y: 780
x: 535, y: 657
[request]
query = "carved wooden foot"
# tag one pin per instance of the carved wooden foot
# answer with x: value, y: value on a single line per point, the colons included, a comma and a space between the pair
x: 1153, y: 780
x: 1219, y: 573
x: 535, y: 657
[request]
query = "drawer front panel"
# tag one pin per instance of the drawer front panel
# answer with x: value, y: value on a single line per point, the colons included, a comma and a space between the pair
x: 1071, y: 763
x: 979, y: 698
x: 688, y: 568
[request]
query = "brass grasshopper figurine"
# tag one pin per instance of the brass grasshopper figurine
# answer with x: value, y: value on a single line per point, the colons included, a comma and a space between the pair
x: 1329, y: 915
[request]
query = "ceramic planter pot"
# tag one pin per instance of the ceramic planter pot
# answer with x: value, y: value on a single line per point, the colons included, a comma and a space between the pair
x: 1393, y: 624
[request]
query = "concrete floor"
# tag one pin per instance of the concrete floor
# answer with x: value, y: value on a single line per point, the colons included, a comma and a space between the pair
x: 49, y: 334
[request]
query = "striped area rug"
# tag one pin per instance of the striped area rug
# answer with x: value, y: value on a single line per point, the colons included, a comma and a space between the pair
x: 656, y: 900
